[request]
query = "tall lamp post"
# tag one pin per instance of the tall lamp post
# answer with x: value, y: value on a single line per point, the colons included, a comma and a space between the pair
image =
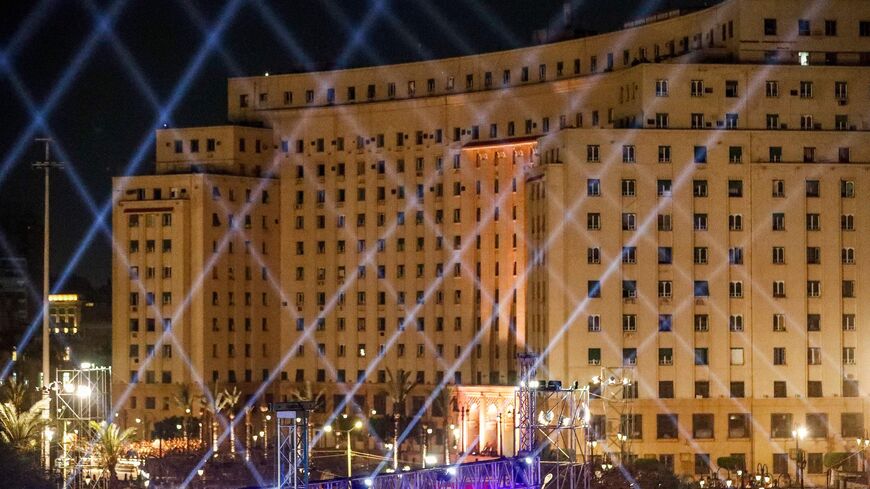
x: 356, y: 425
x: 799, y: 434
x: 426, y: 432
x: 622, y: 438
x: 46, y: 165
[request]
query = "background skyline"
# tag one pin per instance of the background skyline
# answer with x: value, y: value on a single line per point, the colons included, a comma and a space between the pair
x: 102, y: 116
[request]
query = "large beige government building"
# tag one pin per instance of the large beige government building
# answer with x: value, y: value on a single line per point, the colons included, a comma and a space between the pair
x: 685, y: 202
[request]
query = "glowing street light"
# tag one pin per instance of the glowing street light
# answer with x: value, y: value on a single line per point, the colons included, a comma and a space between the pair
x: 799, y: 434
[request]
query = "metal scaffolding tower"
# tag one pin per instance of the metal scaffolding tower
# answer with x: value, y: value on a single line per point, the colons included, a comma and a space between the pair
x: 292, y: 445
x: 81, y: 396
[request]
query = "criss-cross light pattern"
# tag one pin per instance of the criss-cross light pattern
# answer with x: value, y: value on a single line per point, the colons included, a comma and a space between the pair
x: 212, y: 44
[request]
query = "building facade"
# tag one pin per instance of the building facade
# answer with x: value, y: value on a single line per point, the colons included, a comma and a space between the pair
x: 686, y: 195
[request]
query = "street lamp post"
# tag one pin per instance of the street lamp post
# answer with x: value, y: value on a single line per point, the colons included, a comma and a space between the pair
x: 46, y: 165
x: 799, y: 434
x: 426, y: 432
x: 357, y: 425
x: 622, y: 439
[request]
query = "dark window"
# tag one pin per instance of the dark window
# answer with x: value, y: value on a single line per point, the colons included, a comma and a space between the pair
x: 667, y: 427
x: 702, y: 425
x: 666, y: 389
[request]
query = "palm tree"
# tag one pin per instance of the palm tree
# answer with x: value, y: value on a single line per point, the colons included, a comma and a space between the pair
x: 15, y: 392
x: 110, y: 444
x: 22, y: 429
x: 231, y: 398
x: 214, y: 405
x: 399, y: 386
x: 306, y: 393
x: 441, y: 405
x: 186, y: 400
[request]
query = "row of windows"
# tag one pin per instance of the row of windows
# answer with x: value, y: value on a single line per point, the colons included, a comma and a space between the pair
x: 420, y: 297
x: 735, y: 153
x: 702, y: 357
x: 381, y: 195
x: 133, y: 220
x: 340, y: 376
x: 400, y: 272
x: 700, y: 220
x: 702, y: 321
x: 402, y: 324
x: 641, y: 55
x: 805, y: 27
x: 702, y: 288
x: 698, y: 88
x: 703, y: 425
x: 420, y: 244
x: 231, y: 195
x: 737, y: 389
x: 665, y: 188
x: 701, y: 256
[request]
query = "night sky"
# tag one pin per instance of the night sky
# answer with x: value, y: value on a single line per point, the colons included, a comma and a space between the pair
x: 104, y: 115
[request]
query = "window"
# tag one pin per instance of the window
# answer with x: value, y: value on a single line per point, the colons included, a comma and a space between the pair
x: 662, y: 122
x: 781, y: 425
x: 779, y: 389
x: 702, y: 323
x: 629, y: 254
x: 814, y: 356
x: 593, y: 153
x: 629, y: 289
x: 664, y: 222
x: 701, y: 288
x: 628, y: 188
x: 699, y: 188
x: 664, y: 154
x: 814, y: 387
x: 735, y: 289
x: 737, y: 390
x: 594, y: 356
x: 771, y: 89
x: 702, y: 356
x: 702, y: 426
x: 849, y: 355
x: 666, y: 389
x: 700, y: 222
x: 735, y: 222
x: 737, y: 356
x: 593, y: 187
x: 666, y: 356
x: 665, y: 254
x: 803, y: 27
x: 778, y: 221
x: 847, y: 222
x: 738, y: 425
x: 814, y: 255
x: 697, y: 88
x: 629, y: 221
x: 735, y: 323
x: 593, y: 288
x: 814, y: 288
x: 700, y: 154
x: 779, y: 288
x: 593, y: 323
x: 769, y: 27
x: 806, y: 89
x: 663, y: 188
x: 735, y: 154
x: 852, y: 425
x: 629, y: 357
x: 628, y: 153
x: 848, y: 322
x: 629, y: 322
x: 593, y: 221
x: 735, y: 188
x: 779, y: 322
x: 848, y: 256
x: 778, y: 188
x: 593, y: 256
x: 697, y: 121
x: 731, y: 88
x: 661, y: 88
x: 864, y: 28
x: 667, y: 426
x: 778, y: 355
